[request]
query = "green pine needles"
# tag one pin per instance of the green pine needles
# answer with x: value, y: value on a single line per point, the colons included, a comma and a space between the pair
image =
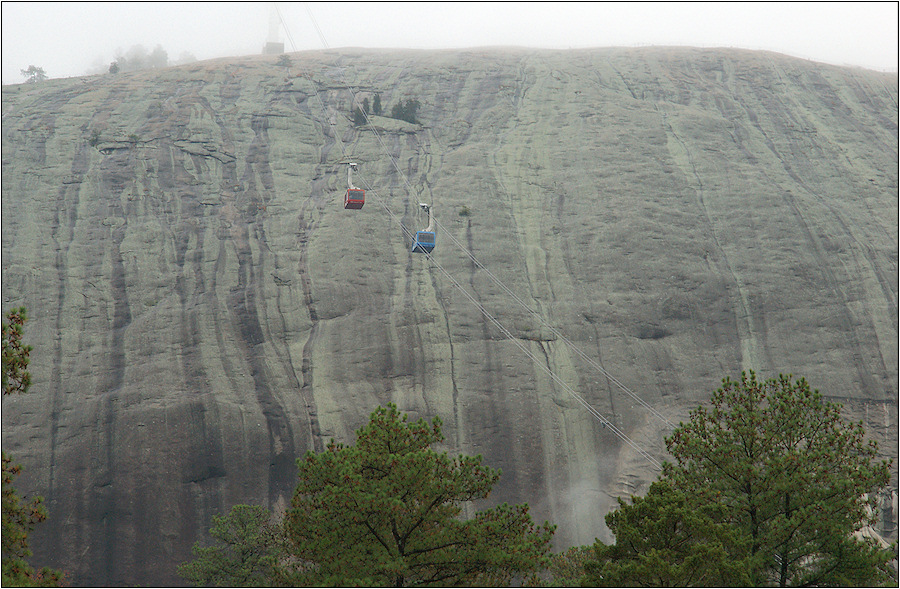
x: 386, y: 511
x: 769, y: 487
x: 247, y: 555
x: 16, y: 377
x: 20, y: 514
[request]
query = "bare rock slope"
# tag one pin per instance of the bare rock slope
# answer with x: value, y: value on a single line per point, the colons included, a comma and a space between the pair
x: 203, y: 311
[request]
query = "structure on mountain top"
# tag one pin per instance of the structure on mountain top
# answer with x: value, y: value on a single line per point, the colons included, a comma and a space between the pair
x: 273, y: 46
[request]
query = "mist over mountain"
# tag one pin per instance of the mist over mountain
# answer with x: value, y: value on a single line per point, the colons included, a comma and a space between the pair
x: 204, y: 311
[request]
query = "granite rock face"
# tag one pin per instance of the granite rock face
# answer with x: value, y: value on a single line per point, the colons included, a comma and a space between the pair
x: 616, y: 228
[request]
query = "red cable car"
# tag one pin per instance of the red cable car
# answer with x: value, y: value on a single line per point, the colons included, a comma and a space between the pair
x: 355, y: 197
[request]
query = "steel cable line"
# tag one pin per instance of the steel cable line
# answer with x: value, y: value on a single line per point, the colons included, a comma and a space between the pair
x: 474, y: 301
x: 596, y: 365
x: 599, y: 416
x: 407, y: 233
x: 593, y: 363
x: 516, y: 298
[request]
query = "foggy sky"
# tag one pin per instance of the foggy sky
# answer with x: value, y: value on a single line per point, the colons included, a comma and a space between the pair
x: 77, y: 38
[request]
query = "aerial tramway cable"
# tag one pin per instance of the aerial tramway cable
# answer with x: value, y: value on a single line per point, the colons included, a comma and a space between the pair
x: 593, y: 363
x: 474, y: 301
x: 546, y: 368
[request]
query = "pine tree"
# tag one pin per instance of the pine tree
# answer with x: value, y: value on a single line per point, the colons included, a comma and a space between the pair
x: 665, y: 539
x: 359, y: 118
x: 16, y: 377
x: 406, y: 111
x: 19, y: 515
x: 376, y: 105
x: 770, y: 479
x: 246, y: 556
x: 386, y: 511
x: 566, y: 568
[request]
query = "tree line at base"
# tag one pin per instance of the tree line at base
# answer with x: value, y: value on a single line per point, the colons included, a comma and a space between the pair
x: 769, y: 487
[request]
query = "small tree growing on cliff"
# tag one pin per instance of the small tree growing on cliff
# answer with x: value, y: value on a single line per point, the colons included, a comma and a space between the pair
x: 406, y: 111
x: 386, y: 512
x: 359, y: 117
x: 376, y: 105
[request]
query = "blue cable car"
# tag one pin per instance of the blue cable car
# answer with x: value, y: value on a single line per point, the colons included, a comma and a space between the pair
x: 355, y: 197
x: 423, y: 242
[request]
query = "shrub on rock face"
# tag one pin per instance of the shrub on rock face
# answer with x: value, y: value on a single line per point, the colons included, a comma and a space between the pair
x: 376, y: 105
x: 359, y: 118
x: 406, y: 111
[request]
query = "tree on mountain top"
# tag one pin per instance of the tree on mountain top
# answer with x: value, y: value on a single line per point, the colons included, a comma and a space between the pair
x: 137, y: 58
x: 34, y: 74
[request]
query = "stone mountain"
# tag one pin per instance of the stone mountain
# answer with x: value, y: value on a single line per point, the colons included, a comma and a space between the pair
x: 203, y: 311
